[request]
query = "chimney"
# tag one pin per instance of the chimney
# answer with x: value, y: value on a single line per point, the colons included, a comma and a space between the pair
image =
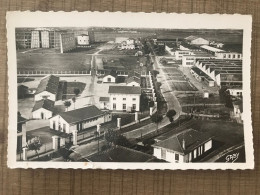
x: 183, y: 144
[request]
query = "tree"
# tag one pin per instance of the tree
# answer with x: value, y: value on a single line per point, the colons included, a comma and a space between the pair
x: 74, y: 101
x: 155, y: 73
x: 34, y: 144
x: 170, y: 114
x: 151, y: 104
x: 67, y: 104
x: 156, y: 118
x: 76, y: 91
x: 114, y: 138
x: 143, y: 102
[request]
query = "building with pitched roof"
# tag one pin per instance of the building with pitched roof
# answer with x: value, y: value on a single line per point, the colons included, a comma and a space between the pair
x: 193, y: 40
x: 184, y: 147
x: 133, y: 79
x: 118, y: 154
x: 43, y: 109
x: 110, y: 77
x: 124, y: 98
x: 48, y: 88
x: 79, y: 119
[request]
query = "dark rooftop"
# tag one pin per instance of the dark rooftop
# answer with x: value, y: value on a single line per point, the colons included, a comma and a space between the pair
x: 121, y: 154
x: 81, y: 114
x: 44, y: 103
x: 191, y: 138
x: 104, y: 99
x: 49, y: 83
x: 124, y: 90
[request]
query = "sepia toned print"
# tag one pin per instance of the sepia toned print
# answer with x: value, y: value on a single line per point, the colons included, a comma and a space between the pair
x: 139, y: 96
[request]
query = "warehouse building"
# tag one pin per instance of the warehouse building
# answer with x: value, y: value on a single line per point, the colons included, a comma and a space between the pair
x: 223, y: 72
x: 193, y: 40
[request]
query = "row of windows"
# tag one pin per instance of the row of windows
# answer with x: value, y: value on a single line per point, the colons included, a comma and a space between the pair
x: 125, y: 99
x: 124, y: 106
x: 229, y: 56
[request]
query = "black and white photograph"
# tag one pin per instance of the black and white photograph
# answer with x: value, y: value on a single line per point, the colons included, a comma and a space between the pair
x: 112, y: 90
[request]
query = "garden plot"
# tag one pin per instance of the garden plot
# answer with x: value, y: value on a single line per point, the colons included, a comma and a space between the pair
x: 183, y: 86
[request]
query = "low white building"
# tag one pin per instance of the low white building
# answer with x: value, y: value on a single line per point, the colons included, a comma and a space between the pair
x: 238, y: 91
x: 47, y: 89
x: 133, y: 79
x: 83, y: 39
x: 193, y: 40
x: 238, y: 111
x: 185, y: 147
x: 43, y: 109
x: 124, y: 98
x: 110, y: 77
x: 128, y: 44
x: 79, y: 119
x: 229, y: 55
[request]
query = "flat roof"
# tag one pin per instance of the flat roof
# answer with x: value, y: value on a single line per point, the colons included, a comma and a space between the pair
x: 213, y: 49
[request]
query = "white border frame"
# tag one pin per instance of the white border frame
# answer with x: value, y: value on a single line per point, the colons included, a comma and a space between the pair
x: 129, y: 20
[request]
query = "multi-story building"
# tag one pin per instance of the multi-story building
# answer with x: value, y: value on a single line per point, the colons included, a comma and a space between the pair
x: 124, y: 98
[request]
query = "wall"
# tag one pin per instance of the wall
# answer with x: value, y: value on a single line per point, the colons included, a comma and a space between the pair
x: 83, y: 40
x: 105, y: 79
x: 129, y: 102
x: 135, y: 84
x: 37, y: 114
x: 44, y: 95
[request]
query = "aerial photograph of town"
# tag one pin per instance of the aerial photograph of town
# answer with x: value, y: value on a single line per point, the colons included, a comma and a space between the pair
x: 102, y: 94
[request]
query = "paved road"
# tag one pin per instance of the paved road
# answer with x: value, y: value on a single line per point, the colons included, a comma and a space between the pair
x: 170, y: 98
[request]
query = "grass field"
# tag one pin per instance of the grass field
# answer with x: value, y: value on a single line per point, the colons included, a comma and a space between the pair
x: 117, y: 51
x: 53, y: 62
x: 227, y: 132
x: 190, y: 98
x: 183, y: 86
x: 120, y: 63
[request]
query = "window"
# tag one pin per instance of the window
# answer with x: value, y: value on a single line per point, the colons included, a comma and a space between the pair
x: 234, y: 56
x: 124, y: 106
x: 64, y: 127
x: 163, y: 154
x: 134, y: 106
x: 114, y: 106
x: 108, y: 79
x: 177, y: 157
x: 124, y: 98
x: 224, y: 56
x: 114, y: 98
x: 229, y: 56
x: 134, y: 99
x: 238, y: 56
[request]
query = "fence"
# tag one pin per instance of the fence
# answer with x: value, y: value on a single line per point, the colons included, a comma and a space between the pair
x: 47, y: 72
x: 31, y: 153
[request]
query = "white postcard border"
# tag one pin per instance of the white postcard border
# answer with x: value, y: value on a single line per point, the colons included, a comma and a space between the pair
x: 137, y: 20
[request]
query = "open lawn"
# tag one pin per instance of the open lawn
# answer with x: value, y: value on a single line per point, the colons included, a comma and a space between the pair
x: 183, y: 86
x: 117, y: 51
x: 120, y: 63
x: 230, y: 133
x: 53, y: 62
x: 197, y: 98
